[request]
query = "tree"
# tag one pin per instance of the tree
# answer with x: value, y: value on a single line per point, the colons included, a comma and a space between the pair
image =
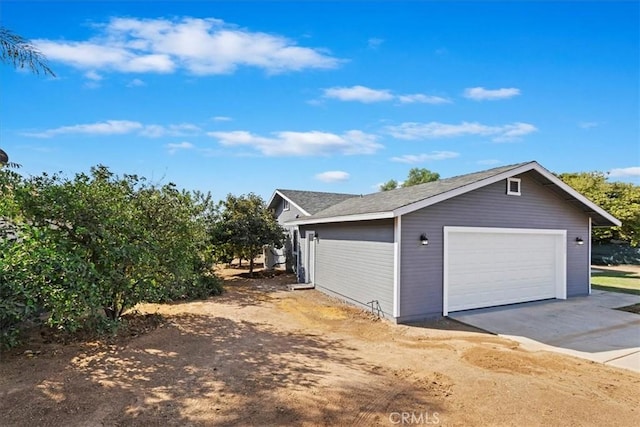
x: 244, y: 226
x: 392, y: 184
x: 91, y: 247
x: 416, y: 176
x: 137, y: 242
x: 420, y: 176
x: 620, y: 199
x: 21, y: 53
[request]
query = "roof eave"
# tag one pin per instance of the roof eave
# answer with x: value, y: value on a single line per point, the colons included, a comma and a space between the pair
x: 597, y: 210
x: 281, y: 194
x: 343, y: 218
x: 613, y: 221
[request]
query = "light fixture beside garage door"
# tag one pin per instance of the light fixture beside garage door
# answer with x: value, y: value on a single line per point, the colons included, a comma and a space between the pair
x: 579, y: 241
x: 423, y: 239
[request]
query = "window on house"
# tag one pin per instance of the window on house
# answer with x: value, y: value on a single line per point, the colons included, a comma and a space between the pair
x: 513, y: 186
x: 285, y: 205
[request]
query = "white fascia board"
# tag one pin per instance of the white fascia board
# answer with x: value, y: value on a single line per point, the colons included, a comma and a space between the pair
x: 568, y: 189
x: 297, y: 206
x: 344, y: 218
x: 273, y: 196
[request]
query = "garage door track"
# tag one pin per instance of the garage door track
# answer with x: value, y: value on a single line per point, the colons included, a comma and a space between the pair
x: 588, y: 327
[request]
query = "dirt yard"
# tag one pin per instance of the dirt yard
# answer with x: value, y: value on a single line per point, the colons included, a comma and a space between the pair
x: 261, y: 355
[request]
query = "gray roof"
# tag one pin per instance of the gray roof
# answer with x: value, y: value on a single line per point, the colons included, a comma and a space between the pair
x: 332, y: 207
x: 315, y: 201
x: 387, y: 201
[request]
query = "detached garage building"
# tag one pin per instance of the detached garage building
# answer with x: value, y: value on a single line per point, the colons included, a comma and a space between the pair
x: 502, y: 236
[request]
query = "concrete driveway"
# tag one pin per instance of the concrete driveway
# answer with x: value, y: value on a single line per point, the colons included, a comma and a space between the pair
x: 587, y: 327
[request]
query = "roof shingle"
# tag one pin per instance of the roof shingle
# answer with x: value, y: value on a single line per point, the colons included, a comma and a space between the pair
x: 387, y: 201
x: 315, y: 201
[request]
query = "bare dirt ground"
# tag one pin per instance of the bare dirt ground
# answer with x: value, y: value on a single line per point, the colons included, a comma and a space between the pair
x: 261, y: 355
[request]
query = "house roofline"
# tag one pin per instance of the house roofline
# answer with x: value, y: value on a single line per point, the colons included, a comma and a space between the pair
x: 465, y: 189
x: 297, y: 206
x: 343, y: 218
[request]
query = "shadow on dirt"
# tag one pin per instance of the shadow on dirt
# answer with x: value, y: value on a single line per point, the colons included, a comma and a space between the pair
x: 245, y: 292
x: 204, y: 370
x: 448, y: 324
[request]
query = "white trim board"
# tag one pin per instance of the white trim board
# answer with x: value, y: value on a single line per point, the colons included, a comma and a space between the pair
x: 291, y: 202
x: 397, y: 267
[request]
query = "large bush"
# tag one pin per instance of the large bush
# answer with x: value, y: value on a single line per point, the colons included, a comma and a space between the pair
x: 98, y: 244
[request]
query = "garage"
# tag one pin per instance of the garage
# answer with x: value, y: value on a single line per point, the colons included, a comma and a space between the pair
x: 506, y: 235
x: 486, y: 267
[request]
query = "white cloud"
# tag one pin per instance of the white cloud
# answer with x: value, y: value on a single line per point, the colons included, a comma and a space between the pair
x: 92, y: 75
x: 358, y: 93
x: 437, y: 130
x: 368, y: 95
x: 514, y: 132
x: 109, y: 127
x: 374, y: 42
x: 200, y: 46
x: 482, y: 94
x: 91, y: 55
x: 157, y: 131
x: 422, y: 99
x: 136, y: 83
x: 421, y: 158
x: 119, y: 127
x: 588, y: 125
x: 333, y: 176
x: 625, y: 172
x: 221, y: 119
x: 310, y: 143
x: 175, y: 147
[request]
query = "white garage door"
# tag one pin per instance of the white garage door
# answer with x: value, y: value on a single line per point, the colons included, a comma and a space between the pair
x: 485, y: 267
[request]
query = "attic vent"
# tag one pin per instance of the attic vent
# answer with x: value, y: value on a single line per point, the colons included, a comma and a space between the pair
x: 513, y: 187
x: 285, y: 205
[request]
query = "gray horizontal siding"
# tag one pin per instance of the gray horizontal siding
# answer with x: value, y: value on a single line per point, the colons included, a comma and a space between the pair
x: 355, y: 262
x: 490, y: 206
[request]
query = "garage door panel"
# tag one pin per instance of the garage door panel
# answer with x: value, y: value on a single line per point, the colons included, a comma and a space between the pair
x: 487, y: 267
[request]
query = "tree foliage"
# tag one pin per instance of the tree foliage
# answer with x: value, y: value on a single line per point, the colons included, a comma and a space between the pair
x: 21, y: 53
x: 95, y: 245
x: 392, y: 184
x: 416, y: 176
x: 420, y: 176
x: 244, y: 226
x: 620, y: 199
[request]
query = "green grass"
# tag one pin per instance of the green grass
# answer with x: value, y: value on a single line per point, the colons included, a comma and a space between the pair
x: 616, y: 281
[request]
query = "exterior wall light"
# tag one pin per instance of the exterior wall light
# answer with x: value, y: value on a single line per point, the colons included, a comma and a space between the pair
x: 579, y: 241
x: 423, y: 239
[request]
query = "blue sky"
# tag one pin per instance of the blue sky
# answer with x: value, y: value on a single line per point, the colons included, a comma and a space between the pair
x: 238, y: 97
